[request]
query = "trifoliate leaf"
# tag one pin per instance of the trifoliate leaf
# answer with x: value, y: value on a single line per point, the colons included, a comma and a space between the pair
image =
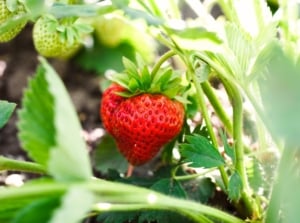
x: 49, y: 129
x: 199, y: 152
x: 6, y: 110
x: 235, y: 186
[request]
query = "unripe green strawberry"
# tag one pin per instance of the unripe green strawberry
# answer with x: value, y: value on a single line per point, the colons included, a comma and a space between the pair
x: 109, y: 29
x: 50, y: 42
x: 5, y: 14
x: 109, y: 103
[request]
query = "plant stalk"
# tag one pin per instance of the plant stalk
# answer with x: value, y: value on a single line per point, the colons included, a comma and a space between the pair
x: 113, y: 193
x: 161, y: 60
x: 204, y: 111
x: 210, y: 94
x: 237, y: 106
x: 24, y: 166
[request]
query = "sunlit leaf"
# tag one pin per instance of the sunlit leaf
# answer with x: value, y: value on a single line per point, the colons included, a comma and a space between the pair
x: 49, y: 129
x: 197, y: 38
x: 280, y: 93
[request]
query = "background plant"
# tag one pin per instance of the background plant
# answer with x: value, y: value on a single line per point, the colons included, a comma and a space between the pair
x: 253, y: 55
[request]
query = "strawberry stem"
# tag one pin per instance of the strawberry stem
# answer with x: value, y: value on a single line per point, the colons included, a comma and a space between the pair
x: 161, y: 60
x: 129, y: 170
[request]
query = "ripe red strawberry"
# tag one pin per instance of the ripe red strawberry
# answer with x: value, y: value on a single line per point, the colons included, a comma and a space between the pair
x: 110, y: 101
x: 140, y: 113
x: 144, y: 123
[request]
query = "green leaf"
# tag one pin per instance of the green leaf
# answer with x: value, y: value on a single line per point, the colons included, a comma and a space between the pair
x: 256, y: 174
x: 118, y: 217
x: 6, y: 110
x: 38, y: 211
x: 84, y: 10
x: 49, y: 129
x: 74, y: 206
x: 106, y: 156
x: 242, y: 47
x: 280, y: 93
x: 200, y: 190
x: 197, y: 38
x: 235, y: 186
x: 35, y: 7
x: 199, y: 152
x: 139, y: 14
x: 202, y: 72
x: 228, y: 149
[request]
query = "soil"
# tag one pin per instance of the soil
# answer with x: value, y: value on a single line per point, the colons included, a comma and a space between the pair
x: 18, y: 62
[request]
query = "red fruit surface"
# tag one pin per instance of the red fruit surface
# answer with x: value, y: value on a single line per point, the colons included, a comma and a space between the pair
x: 110, y: 101
x: 144, y: 123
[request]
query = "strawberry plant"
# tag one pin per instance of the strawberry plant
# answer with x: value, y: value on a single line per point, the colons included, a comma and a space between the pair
x: 206, y: 118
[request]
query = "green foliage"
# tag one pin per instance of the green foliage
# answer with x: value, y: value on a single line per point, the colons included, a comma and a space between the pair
x: 201, y: 190
x: 199, y: 152
x: 101, y: 58
x: 49, y: 129
x: 235, y: 186
x: 106, y: 156
x: 279, y: 90
x: 6, y: 110
x: 29, y: 212
x: 228, y: 149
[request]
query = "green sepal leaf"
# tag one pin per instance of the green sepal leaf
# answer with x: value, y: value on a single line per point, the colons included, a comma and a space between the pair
x: 235, y: 186
x: 6, y: 110
x: 49, y: 129
x: 106, y: 156
x: 199, y: 152
x: 145, y: 78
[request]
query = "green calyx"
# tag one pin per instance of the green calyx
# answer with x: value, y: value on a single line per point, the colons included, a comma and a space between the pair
x: 138, y: 79
x: 70, y: 30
